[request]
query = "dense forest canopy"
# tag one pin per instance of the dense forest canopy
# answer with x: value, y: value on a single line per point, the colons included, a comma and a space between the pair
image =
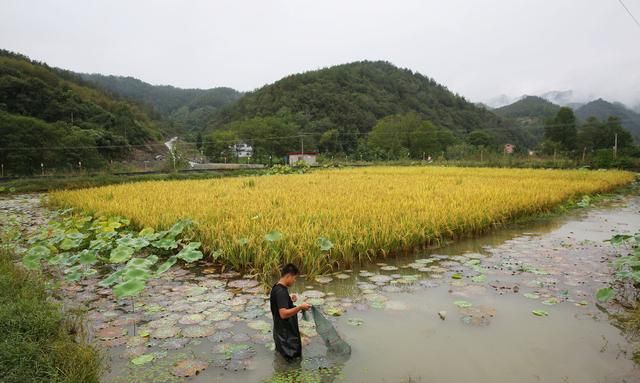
x: 368, y: 110
x: 185, y: 111
x: 337, y: 107
x: 45, y: 113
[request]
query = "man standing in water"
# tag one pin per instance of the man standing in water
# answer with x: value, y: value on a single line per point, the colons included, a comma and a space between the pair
x: 286, y: 333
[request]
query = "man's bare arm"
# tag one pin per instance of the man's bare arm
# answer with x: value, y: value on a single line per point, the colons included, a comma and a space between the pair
x: 288, y: 313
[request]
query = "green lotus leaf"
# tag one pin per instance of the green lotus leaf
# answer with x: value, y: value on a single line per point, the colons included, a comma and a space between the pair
x: 540, y: 313
x: 178, y: 228
x: 120, y: 254
x: 146, y: 232
x: 143, y: 359
x: 89, y: 272
x: 144, y: 263
x: 462, y: 304
x: 166, y: 265
x: 136, y: 273
x: 75, y: 235
x: 31, y: 262
x: 38, y: 252
x: 165, y: 243
x: 111, y: 279
x: 129, y: 288
x: 68, y: 243
x: 58, y: 259
x: 88, y: 257
x: 216, y: 254
x: 273, y: 236
x: 325, y: 244
x: 136, y: 243
x: 190, y: 253
x: 73, y: 276
x: 605, y: 294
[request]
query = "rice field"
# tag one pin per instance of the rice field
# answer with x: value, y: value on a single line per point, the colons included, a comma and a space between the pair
x: 332, y: 219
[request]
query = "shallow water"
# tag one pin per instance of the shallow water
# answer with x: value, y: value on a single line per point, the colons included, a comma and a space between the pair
x: 560, y: 261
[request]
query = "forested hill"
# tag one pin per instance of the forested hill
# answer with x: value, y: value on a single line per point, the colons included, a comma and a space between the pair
x: 351, y: 98
x: 529, y: 107
x: 52, y: 117
x: 603, y: 109
x: 184, y: 109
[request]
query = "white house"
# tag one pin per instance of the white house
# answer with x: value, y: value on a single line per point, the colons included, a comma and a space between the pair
x: 242, y: 150
x: 310, y: 158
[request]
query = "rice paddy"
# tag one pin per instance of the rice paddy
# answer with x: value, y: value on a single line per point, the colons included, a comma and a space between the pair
x: 332, y: 219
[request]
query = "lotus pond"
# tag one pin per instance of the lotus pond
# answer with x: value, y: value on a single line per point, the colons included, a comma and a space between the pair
x: 513, y: 305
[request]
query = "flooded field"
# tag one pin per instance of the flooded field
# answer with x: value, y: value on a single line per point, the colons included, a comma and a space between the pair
x: 514, y: 305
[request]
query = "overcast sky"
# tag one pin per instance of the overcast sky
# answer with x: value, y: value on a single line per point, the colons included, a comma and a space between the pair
x: 479, y: 49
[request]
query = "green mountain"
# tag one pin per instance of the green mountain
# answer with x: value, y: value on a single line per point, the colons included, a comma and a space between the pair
x: 528, y: 107
x: 185, y: 110
x: 52, y: 117
x: 348, y: 100
x: 603, y: 109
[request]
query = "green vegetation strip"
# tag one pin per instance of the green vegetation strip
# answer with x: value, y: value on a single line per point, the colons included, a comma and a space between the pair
x: 37, y: 342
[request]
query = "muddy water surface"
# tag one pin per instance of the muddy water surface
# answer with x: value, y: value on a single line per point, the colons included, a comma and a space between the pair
x: 514, y: 305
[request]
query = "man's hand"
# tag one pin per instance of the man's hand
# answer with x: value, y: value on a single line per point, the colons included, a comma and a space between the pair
x: 304, y: 306
x: 294, y: 297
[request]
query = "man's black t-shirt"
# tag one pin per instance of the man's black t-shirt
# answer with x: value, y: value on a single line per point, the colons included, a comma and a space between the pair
x: 286, y: 333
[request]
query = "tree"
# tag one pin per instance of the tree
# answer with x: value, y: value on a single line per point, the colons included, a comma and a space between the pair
x: 329, y: 141
x: 595, y: 134
x: 199, y: 141
x: 480, y: 138
x: 400, y: 134
x: 217, y: 145
x: 562, y: 129
x: 269, y: 136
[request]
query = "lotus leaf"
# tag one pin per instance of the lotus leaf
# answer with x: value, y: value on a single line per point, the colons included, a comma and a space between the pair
x: 143, y: 359
x: 129, y: 288
x: 189, y: 367
x: 121, y: 254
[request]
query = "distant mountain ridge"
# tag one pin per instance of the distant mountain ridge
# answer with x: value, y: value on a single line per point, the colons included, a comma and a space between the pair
x: 187, y: 110
x: 530, y: 107
x: 353, y: 97
x: 51, y: 118
x: 534, y: 110
x: 603, y: 109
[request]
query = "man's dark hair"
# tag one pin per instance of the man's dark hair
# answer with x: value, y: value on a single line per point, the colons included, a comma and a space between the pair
x: 289, y: 268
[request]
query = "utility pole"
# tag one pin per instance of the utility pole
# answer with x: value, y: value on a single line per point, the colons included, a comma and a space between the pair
x: 584, y: 154
x: 302, y: 146
x: 615, y: 146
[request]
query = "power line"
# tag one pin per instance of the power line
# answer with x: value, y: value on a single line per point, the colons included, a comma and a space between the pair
x: 629, y: 12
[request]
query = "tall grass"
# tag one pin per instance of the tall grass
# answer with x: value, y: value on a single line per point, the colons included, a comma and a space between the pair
x: 364, y: 212
x: 37, y: 340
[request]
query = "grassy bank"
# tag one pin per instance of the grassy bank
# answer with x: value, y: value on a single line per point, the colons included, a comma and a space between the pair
x: 38, y: 341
